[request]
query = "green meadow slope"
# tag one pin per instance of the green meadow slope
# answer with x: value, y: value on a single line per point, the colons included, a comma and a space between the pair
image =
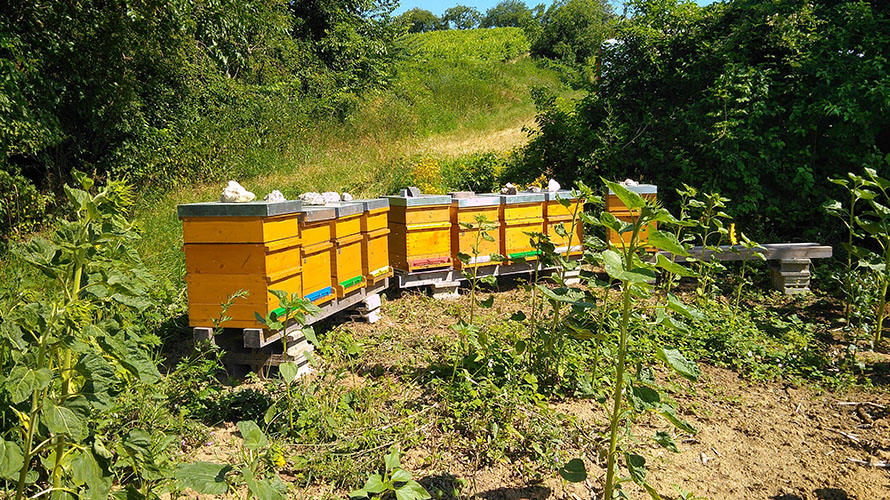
x: 457, y: 92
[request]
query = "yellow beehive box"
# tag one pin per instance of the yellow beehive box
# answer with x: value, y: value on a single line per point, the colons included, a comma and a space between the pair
x: 207, y: 293
x: 264, y: 259
x: 420, y: 232
x: 346, y: 272
x: 375, y: 214
x: 617, y: 208
x: 317, y: 227
x: 520, y: 214
x: 465, y: 211
x: 375, y: 241
x: 556, y: 214
x: 229, y: 247
x: 375, y: 256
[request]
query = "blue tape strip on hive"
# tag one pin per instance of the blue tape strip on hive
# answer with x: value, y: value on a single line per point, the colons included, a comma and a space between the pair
x: 317, y: 213
x: 419, y: 201
x: 249, y: 209
x: 373, y: 203
x: 324, y: 292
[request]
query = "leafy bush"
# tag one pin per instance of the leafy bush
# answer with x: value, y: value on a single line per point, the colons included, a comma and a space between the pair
x: 775, y: 96
x: 480, y: 172
x: 164, y: 92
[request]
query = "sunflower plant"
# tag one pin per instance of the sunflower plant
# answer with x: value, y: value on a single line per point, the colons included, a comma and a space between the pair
x: 633, y: 392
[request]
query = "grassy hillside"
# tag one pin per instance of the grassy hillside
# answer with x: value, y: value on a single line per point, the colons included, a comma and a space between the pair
x: 456, y: 93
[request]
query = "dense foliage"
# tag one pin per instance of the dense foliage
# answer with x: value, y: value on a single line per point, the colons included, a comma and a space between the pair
x: 158, y: 91
x: 761, y: 100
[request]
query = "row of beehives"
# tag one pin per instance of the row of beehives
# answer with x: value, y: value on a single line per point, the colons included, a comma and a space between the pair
x: 326, y: 253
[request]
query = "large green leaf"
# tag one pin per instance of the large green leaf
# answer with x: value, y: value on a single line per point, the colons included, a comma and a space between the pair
x: 374, y: 484
x: 672, y: 267
x: 85, y: 469
x: 269, y: 489
x: 205, y: 478
x: 11, y: 459
x: 100, y: 380
x: 636, y: 465
x: 289, y: 371
x: 667, y: 242
x: 253, y: 436
x: 630, y: 199
x: 573, y: 471
x: 644, y: 398
x: 666, y: 441
x: 613, y: 263
x: 671, y: 416
x: 23, y: 381
x: 61, y: 420
x: 412, y: 490
x: 679, y: 363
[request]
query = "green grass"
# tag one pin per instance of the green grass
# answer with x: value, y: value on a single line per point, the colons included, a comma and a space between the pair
x: 444, y: 107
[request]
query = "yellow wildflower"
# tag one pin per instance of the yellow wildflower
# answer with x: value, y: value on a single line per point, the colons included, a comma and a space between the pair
x: 732, y: 236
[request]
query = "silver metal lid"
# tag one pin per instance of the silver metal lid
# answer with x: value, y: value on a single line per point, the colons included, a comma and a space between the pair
x: 562, y: 193
x: 477, y: 201
x: 641, y: 189
x: 372, y: 203
x: 346, y: 208
x: 419, y: 201
x: 511, y: 199
x: 249, y: 209
x: 318, y: 213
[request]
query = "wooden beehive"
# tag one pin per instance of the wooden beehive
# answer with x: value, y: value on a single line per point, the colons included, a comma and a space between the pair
x: 617, y: 208
x: 465, y: 210
x: 229, y: 247
x: 420, y: 232
x: 346, y: 271
x: 317, y: 253
x: 520, y: 214
x: 555, y: 214
x: 375, y: 241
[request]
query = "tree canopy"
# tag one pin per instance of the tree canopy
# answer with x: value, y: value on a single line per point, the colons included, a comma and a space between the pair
x: 461, y: 17
x: 762, y: 101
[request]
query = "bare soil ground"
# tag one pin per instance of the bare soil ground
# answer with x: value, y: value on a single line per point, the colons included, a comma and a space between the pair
x: 771, y: 440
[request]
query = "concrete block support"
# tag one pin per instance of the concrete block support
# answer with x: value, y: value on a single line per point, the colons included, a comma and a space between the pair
x: 791, y: 276
x: 445, y: 290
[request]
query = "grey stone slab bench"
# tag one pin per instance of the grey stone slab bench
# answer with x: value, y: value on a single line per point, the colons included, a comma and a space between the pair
x: 789, y: 262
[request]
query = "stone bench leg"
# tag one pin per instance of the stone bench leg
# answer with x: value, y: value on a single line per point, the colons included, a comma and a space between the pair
x: 791, y: 276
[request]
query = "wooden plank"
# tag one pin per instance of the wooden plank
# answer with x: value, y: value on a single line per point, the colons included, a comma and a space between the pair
x: 771, y: 251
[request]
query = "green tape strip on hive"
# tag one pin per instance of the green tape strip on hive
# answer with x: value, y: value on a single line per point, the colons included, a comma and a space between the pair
x: 353, y: 281
x: 530, y: 253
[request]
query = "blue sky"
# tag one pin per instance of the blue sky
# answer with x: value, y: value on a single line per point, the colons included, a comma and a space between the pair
x: 438, y: 6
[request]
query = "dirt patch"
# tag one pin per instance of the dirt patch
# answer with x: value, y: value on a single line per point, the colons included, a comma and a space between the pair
x: 769, y: 441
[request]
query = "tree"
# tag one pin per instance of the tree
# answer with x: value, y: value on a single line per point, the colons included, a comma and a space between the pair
x: 421, y: 21
x: 716, y: 97
x: 462, y: 17
x: 572, y: 31
x: 508, y: 13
